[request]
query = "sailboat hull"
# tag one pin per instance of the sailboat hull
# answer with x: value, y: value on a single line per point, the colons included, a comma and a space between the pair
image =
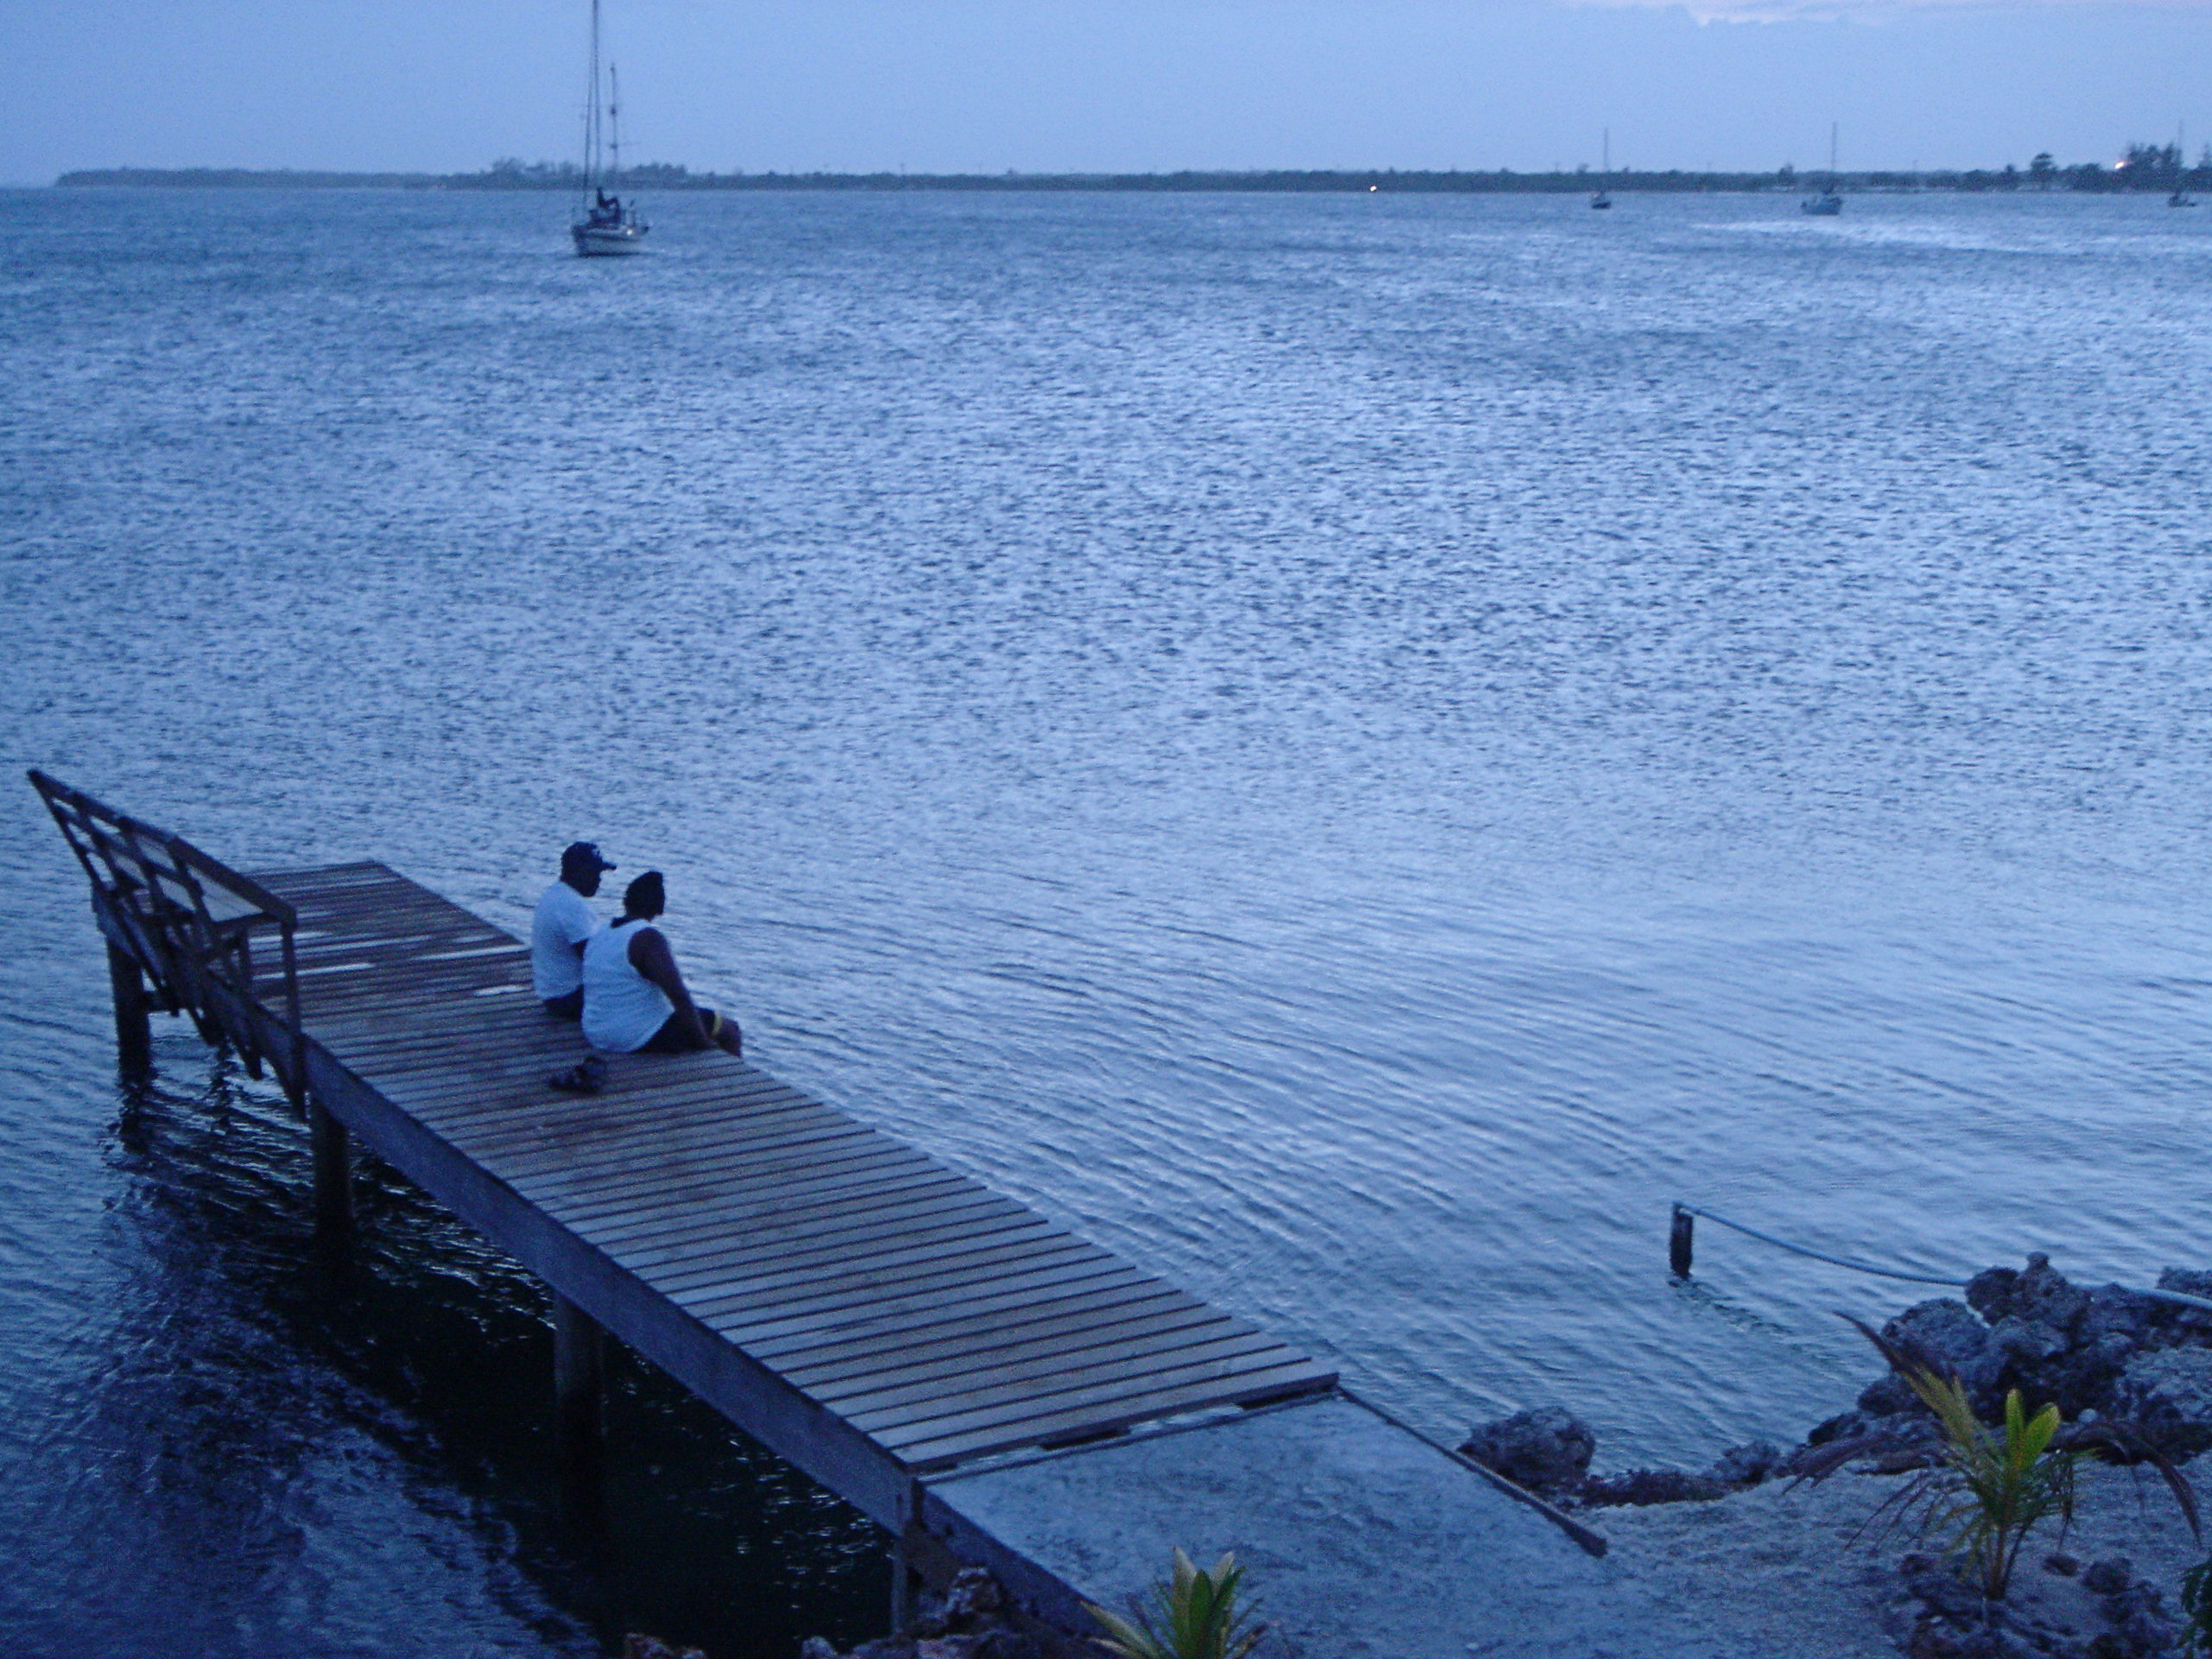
x: 597, y: 239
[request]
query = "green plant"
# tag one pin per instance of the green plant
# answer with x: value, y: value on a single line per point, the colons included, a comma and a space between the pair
x: 1197, y: 1616
x: 2002, y: 1485
x: 1993, y: 1487
x: 2196, y: 1606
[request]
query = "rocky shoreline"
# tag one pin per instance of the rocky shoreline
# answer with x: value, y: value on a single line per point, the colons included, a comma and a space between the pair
x: 2108, y: 1354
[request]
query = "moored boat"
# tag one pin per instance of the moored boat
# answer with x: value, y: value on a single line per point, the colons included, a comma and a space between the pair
x: 606, y: 224
x: 1829, y: 202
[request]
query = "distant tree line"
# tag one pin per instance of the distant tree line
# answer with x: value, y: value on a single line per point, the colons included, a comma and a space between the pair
x: 2145, y: 167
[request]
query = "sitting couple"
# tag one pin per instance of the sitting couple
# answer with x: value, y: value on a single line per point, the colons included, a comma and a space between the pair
x: 622, y: 981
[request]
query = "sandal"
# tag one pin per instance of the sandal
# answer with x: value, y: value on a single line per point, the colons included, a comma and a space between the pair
x: 587, y: 1078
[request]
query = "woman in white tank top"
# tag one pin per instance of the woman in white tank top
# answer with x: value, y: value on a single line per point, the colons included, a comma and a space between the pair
x: 635, y: 1000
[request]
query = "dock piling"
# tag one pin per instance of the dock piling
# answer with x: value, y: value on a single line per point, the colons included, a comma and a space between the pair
x: 134, y: 1034
x: 902, y: 1587
x: 579, y: 1392
x: 1682, y: 1239
x: 334, y: 1175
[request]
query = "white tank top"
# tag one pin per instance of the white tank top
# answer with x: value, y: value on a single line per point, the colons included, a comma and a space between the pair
x: 622, y: 1008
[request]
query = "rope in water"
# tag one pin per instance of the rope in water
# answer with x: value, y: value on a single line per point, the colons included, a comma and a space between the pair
x: 1680, y: 1248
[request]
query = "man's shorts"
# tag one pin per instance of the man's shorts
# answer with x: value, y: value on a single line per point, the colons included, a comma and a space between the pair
x: 570, y: 1007
x: 672, y: 1038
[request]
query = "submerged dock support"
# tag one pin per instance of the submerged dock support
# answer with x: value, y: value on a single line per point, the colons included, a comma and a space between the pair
x: 579, y: 1394
x: 902, y: 1587
x: 1682, y: 1241
x: 134, y: 1032
x: 334, y: 1175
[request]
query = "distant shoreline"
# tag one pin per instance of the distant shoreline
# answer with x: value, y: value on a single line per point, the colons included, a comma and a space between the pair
x: 513, y: 176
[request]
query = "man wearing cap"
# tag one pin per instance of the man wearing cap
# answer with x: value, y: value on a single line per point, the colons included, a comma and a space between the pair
x: 563, y: 922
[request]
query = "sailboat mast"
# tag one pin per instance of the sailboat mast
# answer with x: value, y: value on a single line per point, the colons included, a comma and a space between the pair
x: 614, y: 125
x: 1831, y: 148
x: 591, y: 109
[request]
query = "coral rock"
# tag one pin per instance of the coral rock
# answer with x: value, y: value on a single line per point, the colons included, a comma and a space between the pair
x: 2109, y: 1578
x: 1653, y: 1486
x: 1747, y: 1465
x: 1944, y: 1330
x: 638, y: 1645
x: 973, y: 1593
x: 2169, y: 1385
x: 1545, y: 1450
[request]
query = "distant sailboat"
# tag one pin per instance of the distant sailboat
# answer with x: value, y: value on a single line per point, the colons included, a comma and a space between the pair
x: 2180, y: 198
x: 1829, y: 202
x: 1597, y: 198
x: 607, y: 225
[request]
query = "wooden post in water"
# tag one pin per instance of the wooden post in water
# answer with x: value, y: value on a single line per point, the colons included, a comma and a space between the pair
x: 133, y: 1033
x: 578, y: 1393
x: 334, y: 1175
x: 1681, y: 1240
x: 902, y: 1587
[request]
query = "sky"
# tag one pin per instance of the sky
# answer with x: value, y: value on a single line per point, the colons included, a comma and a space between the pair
x: 1098, y: 85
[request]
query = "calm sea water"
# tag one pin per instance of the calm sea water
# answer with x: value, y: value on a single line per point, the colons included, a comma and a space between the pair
x: 1350, y: 749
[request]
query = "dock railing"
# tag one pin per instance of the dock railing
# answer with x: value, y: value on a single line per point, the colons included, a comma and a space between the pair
x: 180, y: 928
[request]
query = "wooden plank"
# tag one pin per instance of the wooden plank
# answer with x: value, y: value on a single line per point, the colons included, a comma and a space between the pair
x: 843, y: 1236
x: 414, y: 937
x: 870, y: 1331
x: 672, y: 1148
x: 826, y: 1222
x: 368, y: 1018
x: 637, y: 1087
x: 560, y: 1130
x: 781, y: 1200
x: 521, y: 1114
x: 1149, y: 1343
x: 993, y: 1392
x: 1085, y: 1415
x: 735, y: 1173
x: 979, y: 1266
x: 741, y: 1181
x: 882, y: 1259
x: 595, y: 1174
x: 871, y: 1307
x: 646, y: 1118
x: 967, y: 1338
x: 362, y: 995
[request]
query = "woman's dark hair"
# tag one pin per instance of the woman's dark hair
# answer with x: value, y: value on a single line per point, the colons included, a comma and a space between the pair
x: 646, y: 896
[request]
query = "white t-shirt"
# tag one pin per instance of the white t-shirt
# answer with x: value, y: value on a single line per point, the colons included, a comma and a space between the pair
x: 563, y: 921
x: 623, y: 1009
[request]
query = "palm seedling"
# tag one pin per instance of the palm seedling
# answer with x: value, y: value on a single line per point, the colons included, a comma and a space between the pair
x: 1995, y: 1487
x: 2196, y: 1607
x: 1194, y: 1616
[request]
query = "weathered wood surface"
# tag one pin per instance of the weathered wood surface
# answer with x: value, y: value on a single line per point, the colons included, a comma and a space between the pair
x: 869, y: 1313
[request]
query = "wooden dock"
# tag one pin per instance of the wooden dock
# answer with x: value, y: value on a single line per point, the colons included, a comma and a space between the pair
x: 869, y: 1314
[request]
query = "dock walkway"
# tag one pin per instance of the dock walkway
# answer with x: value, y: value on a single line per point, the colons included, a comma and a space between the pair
x: 916, y: 1319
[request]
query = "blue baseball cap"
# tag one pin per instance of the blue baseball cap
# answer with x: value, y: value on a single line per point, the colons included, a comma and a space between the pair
x: 585, y: 856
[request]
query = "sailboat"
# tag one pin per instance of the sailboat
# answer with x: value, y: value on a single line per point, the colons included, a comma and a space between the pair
x: 605, y: 225
x: 1598, y: 197
x: 2180, y: 198
x: 1829, y: 202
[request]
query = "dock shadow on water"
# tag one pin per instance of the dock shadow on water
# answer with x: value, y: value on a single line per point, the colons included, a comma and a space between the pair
x: 262, y: 1371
